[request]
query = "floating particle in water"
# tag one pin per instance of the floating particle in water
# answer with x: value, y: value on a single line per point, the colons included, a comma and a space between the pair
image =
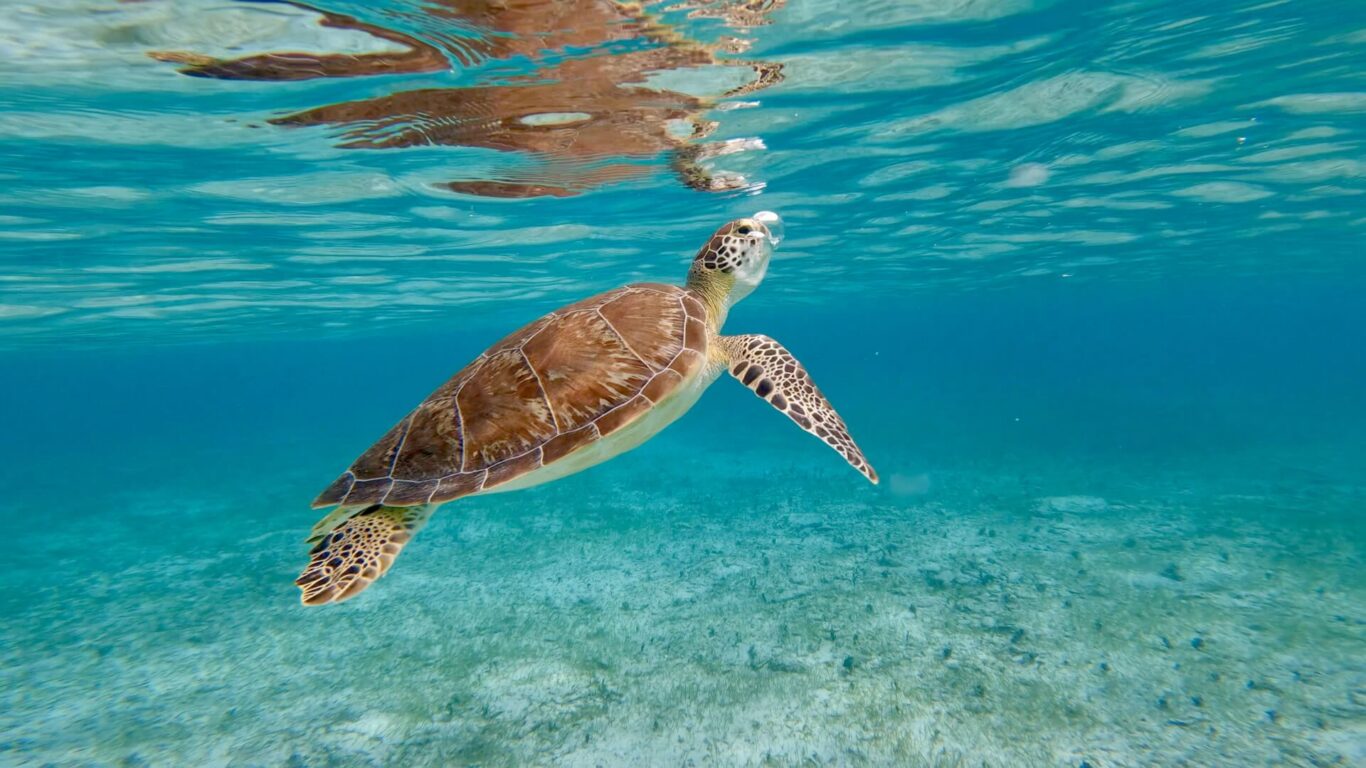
x: 910, y: 485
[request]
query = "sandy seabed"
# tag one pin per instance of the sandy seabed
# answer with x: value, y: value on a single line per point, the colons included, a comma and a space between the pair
x: 951, y: 618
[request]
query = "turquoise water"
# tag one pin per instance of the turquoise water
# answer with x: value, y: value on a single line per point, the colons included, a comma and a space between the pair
x: 1084, y: 280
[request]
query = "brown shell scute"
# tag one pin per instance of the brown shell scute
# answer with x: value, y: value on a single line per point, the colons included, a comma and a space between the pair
x: 433, y: 444
x: 543, y: 392
x: 503, y: 411
x: 378, y: 461
x: 647, y: 332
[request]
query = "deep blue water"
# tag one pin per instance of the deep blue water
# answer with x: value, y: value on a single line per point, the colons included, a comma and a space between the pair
x: 1085, y: 282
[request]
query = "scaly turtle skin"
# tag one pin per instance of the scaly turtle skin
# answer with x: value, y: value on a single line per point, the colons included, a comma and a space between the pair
x: 570, y: 390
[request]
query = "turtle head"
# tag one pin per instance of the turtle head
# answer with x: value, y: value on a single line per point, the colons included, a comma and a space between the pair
x: 735, y: 259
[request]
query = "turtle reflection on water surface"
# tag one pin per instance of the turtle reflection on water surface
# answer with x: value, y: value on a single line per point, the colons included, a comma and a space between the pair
x: 568, y: 391
x: 586, y: 112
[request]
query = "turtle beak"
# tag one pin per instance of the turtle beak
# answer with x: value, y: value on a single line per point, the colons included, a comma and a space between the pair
x: 772, y: 224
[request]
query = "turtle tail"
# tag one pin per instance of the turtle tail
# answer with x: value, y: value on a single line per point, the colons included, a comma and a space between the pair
x: 354, y: 553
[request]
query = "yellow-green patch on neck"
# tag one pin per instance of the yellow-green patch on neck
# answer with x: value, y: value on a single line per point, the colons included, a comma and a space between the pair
x: 714, y: 287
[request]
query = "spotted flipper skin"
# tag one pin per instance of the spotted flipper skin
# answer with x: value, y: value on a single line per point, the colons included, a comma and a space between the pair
x: 357, y: 552
x: 771, y: 372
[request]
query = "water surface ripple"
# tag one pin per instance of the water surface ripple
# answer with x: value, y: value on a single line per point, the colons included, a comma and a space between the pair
x: 914, y: 146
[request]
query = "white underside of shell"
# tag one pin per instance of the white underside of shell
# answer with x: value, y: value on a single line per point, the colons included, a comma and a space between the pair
x: 630, y: 436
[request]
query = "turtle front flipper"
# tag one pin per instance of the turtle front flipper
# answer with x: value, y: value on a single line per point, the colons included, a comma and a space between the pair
x: 771, y: 372
x: 358, y: 551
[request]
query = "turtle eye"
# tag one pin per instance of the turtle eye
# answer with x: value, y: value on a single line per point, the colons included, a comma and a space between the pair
x: 744, y: 229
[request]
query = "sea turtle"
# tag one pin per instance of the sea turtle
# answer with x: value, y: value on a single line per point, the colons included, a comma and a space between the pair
x: 572, y: 389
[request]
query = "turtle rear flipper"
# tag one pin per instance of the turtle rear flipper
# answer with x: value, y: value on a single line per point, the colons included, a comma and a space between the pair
x: 359, y: 551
